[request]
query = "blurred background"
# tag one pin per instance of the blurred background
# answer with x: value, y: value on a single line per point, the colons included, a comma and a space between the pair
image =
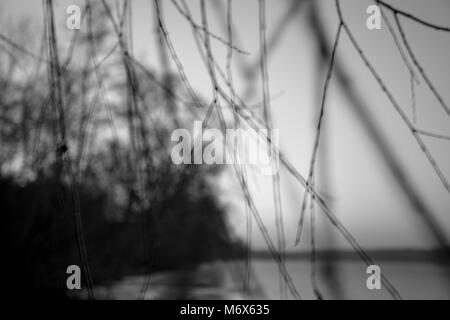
x: 86, y: 176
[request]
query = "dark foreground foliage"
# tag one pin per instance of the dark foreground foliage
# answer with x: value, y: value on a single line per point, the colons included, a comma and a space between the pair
x: 38, y: 235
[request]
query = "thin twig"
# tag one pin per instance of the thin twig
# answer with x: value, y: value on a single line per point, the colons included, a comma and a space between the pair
x: 318, y: 130
x: 431, y: 134
x: 199, y: 27
x: 420, y: 68
x: 412, y: 17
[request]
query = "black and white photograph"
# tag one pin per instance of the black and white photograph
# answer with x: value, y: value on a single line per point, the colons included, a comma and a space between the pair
x: 225, y: 150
